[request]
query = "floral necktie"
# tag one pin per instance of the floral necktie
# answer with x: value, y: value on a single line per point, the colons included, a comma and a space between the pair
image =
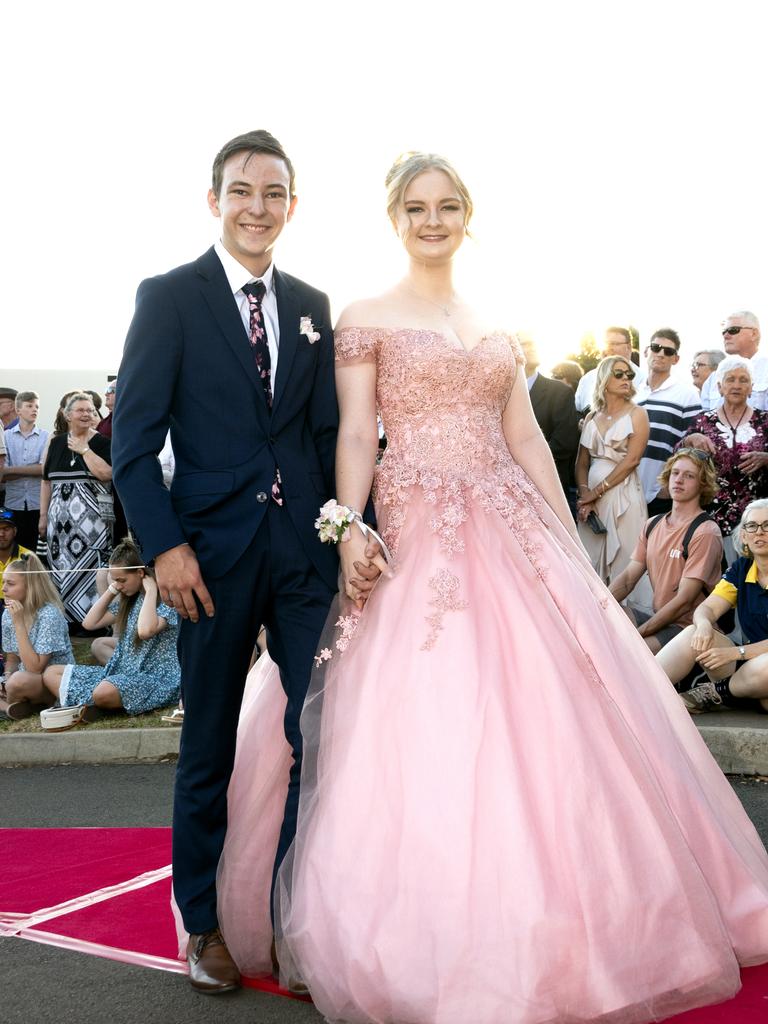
x: 257, y: 335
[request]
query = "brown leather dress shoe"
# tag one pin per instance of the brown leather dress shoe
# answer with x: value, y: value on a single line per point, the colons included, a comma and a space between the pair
x: 211, y: 969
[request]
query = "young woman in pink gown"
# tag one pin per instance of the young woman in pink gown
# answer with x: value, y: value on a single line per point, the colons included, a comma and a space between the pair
x: 507, y: 816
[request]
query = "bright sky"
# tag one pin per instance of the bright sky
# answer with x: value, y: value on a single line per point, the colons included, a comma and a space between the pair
x: 615, y: 152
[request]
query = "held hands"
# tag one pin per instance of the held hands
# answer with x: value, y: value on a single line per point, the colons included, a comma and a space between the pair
x: 361, y: 565
x: 179, y: 582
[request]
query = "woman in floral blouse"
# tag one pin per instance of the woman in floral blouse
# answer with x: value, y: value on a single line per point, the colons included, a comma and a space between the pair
x: 736, y: 435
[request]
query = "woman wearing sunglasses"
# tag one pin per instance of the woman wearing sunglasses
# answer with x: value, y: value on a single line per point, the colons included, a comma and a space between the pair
x: 736, y: 436
x: 738, y: 673
x: 611, y: 505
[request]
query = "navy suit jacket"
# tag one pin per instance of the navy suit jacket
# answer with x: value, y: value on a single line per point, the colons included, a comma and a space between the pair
x: 188, y: 365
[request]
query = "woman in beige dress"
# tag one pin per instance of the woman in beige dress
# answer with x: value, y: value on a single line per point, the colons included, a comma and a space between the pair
x: 611, y: 505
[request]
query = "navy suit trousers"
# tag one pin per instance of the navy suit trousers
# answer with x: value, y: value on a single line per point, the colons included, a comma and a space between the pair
x: 275, y: 584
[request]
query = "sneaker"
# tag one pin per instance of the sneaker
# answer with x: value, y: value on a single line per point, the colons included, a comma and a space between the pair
x: 702, y: 698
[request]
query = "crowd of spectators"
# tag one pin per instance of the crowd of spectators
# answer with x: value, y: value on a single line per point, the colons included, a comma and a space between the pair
x: 57, y: 502
x: 665, y: 471
x: 671, y: 477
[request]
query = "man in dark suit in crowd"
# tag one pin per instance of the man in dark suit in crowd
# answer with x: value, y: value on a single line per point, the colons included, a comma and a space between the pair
x: 555, y: 412
x: 233, y: 541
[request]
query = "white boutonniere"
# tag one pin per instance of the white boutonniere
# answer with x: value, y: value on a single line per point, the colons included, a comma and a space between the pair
x: 307, y: 328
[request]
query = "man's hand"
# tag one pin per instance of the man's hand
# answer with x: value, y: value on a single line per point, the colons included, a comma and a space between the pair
x: 179, y: 582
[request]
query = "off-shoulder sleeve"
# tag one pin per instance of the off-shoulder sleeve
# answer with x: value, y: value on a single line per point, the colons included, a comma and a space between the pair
x: 356, y: 344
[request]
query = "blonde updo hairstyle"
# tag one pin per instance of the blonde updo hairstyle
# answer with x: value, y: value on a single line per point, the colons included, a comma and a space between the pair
x: 409, y: 166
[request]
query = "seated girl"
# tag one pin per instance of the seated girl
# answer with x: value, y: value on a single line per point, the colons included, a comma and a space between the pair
x: 738, y: 673
x: 35, y: 637
x: 144, y: 671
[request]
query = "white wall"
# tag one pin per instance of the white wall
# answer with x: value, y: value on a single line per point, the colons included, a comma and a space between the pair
x: 52, y: 384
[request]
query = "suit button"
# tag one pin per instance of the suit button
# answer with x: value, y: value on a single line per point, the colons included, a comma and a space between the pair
x: 271, y: 440
x: 261, y: 496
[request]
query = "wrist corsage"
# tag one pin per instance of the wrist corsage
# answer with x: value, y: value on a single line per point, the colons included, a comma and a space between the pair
x: 334, y: 521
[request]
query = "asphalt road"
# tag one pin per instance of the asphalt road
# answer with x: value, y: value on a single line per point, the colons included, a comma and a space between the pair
x: 44, y: 985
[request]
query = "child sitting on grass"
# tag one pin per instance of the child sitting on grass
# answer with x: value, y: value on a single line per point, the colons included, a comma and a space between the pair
x: 144, y: 671
x: 35, y: 637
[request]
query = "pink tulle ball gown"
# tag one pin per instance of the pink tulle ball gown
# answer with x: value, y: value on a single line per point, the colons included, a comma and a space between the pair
x: 507, y: 816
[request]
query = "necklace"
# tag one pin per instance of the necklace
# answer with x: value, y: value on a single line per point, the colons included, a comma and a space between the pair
x: 732, y: 428
x: 443, y: 309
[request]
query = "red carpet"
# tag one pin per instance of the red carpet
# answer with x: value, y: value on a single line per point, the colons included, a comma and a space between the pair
x: 107, y: 892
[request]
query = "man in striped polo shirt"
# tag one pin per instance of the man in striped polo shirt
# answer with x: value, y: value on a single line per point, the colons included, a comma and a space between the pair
x: 672, y: 405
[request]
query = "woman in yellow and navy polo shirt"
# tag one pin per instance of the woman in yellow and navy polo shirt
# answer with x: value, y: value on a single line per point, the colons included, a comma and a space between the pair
x: 738, y: 673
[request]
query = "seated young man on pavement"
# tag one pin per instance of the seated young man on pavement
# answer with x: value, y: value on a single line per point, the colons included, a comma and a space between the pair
x: 738, y: 673
x: 681, y: 550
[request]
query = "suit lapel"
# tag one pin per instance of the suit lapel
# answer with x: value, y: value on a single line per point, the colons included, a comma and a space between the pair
x: 288, y: 314
x: 217, y: 294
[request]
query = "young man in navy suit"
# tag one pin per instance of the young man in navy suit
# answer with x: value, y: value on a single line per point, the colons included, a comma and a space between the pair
x: 233, y: 542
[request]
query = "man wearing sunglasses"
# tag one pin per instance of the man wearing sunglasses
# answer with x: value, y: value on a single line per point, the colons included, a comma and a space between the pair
x: 672, y: 405
x: 741, y: 337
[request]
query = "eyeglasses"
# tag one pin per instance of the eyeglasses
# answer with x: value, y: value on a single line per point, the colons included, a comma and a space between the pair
x: 109, y: 391
x: 754, y: 527
x: 668, y: 351
x: 736, y: 330
x: 699, y: 366
x: 696, y: 453
x: 621, y: 374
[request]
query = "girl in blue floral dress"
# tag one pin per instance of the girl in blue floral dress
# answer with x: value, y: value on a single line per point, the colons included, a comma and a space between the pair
x: 144, y: 671
x: 35, y: 636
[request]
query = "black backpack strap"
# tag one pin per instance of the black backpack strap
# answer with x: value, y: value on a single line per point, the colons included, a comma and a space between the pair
x: 651, y: 524
x: 692, y: 528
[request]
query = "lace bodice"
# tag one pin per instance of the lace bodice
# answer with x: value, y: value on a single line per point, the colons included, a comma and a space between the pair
x: 442, y: 410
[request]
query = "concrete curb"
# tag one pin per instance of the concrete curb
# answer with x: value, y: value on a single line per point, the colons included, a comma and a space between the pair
x: 86, y: 745
x: 738, y: 741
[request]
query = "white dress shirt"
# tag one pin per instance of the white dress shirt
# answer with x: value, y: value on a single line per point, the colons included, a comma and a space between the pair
x: 237, y: 276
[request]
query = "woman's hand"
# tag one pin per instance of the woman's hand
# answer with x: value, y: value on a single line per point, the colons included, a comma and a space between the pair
x: 361, y: 565
x: 703, y: 636
x: 700, y: 441
x: 15, y: 608
x: 583, y: 508
x: 751, y: 462
x: 77, y: 445
x: 716, y: 657
x: 148, y: 584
